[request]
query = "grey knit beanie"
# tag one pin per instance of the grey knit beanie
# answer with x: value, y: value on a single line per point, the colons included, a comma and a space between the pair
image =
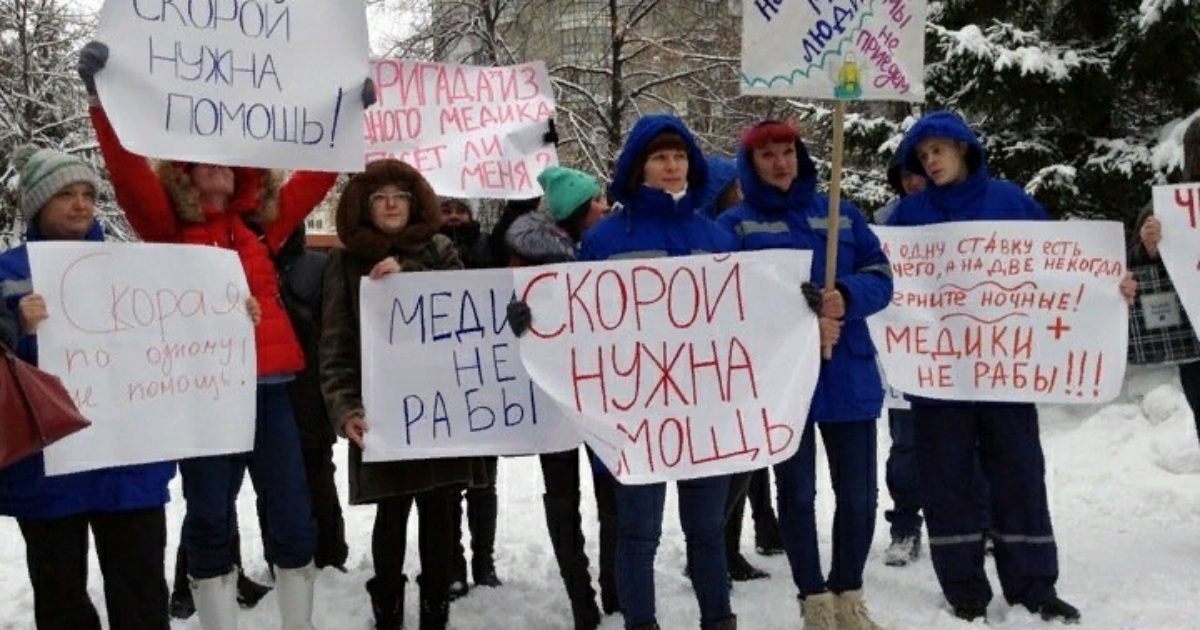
x: 45, y: 173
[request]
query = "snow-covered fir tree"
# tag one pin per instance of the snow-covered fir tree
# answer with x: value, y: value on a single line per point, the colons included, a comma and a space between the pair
x: 42, y: 101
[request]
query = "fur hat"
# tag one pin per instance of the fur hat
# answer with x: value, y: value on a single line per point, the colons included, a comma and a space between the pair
x: 44, y: 173
x: 354, y: 226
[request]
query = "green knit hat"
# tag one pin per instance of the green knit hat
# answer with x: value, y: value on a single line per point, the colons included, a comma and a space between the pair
x: 566, y: 190
x: 46, y: 173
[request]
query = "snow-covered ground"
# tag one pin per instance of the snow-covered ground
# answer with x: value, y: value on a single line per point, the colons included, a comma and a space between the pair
x: 1125, y: 491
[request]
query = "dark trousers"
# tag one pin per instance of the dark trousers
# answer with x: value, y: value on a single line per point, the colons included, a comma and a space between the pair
x: 131, y: 547
x: 762, y: 509
x: 319, y: 469
x: 702, y: 514
x: 211, y: 485
x: 1007, y: 444
x: 850, y: 448
x: 560, y: 471
x: 482, y: 513
x: 903, y: 480
x: 901, y: 476
x: 435, y: 532
x: 735, y: 509
x: 1189, y: 380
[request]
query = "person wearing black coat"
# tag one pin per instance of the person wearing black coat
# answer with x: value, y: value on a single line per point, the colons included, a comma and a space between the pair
x: 464, y: 231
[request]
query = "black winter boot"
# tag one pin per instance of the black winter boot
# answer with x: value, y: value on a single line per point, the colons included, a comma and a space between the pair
x: 181, y: 605
x: 482, y: 513
x: 435, y: 611
x: 1055, y: 609
x: 249, y: 592
x: 566, y: 537
x: 387, y: 603
x: 728, y: 623
x: 740, y: 569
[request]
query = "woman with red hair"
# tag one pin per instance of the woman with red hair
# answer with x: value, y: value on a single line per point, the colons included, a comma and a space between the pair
x: 782, y: 210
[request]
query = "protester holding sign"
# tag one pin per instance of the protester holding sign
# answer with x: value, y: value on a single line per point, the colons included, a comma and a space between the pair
x: 122, y: 506
x: 210, y: 204
x: 460, y: 226
x: 387, y: 219
x: 575, y: 203
x: 1144, y: 251
x: 950, y: 434
x: 782, y: 210
x: 657, y: 178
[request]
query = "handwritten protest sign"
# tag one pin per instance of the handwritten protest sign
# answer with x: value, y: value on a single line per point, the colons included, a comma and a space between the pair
x: 1178, y: 208
x: 834, y: 49
x: 155, y: 346
x: 266, y: 83
x: 677, y: 368
x: 472, y: 131
x: 1011, y: 311
x: 442, y: 374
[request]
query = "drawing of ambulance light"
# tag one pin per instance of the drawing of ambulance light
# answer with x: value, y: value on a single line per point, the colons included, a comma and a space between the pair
x: 848, y: 86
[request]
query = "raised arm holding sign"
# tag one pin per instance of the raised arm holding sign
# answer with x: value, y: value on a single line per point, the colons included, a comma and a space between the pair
x: 234, y: 83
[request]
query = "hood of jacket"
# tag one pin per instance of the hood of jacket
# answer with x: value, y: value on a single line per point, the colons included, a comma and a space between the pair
x: 722, y: 173
x: 354, y: 227
x: 957, y: 200
x: 255, y: 193
x: 630, y: 193
x: 762, y: 196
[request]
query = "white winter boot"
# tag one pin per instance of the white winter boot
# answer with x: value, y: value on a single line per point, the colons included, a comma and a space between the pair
x: 295, y: 590
x: 852, y: 612
x: 216, y: 601
x: 819, y: 611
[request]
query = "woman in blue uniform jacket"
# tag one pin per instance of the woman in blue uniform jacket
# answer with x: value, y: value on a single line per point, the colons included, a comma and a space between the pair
x: 782, y: 210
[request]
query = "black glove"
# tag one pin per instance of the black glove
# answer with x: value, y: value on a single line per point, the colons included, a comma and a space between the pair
x: 91, y: 60
x: 368, y: 93
x: 812, y: 295
x: 519, y: 317
x: 551, y: 135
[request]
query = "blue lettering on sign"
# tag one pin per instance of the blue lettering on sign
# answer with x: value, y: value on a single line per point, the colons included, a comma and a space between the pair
x: 432, y: 321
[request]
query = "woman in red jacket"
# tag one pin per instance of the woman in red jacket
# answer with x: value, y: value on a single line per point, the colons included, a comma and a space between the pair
x: 248, y: 211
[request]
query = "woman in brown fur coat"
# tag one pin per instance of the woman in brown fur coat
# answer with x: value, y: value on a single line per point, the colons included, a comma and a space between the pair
x: 387, y: 220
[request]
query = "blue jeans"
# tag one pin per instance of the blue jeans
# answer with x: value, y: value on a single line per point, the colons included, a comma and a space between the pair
x: 211, y: 485
x: 639, y: 518
x: 905, y: 515
x: 852, y: 468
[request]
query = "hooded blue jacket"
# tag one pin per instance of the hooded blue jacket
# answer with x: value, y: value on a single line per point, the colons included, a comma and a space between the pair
x: 978, y: 198
x: 647, y: 222
x: 850, y: 387
x: 25, y: 490
x: 722, y: 173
